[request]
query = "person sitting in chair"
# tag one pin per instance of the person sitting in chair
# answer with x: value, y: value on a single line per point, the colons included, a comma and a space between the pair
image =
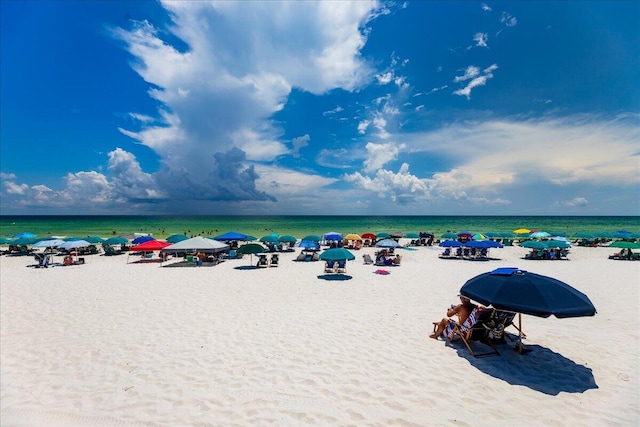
x: 463, y: 310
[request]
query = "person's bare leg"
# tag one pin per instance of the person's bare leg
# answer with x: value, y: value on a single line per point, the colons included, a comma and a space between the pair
x: 440, y: 329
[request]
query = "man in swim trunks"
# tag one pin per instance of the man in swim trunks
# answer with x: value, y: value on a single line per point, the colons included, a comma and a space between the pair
x: 463, y: 310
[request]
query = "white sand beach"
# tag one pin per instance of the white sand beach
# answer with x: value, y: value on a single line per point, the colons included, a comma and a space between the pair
x: 114, y: 344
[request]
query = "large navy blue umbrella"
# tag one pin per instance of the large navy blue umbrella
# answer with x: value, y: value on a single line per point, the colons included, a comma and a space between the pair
x: 511, y: 289
x: 516, y: 290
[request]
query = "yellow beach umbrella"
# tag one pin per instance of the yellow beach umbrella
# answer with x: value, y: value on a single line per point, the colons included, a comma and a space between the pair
x: 522, y: 231
x: 352, y: 236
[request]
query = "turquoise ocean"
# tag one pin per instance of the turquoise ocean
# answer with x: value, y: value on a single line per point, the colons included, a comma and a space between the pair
x: 299, y: 226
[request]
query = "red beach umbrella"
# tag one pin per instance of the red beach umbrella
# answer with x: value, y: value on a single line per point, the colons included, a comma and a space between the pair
x: 151, y: 245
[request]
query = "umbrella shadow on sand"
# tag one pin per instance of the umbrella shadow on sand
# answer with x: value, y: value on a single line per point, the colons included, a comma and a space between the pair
x: 541, y: 369
x: 333, y: 277
x: 245, y: 267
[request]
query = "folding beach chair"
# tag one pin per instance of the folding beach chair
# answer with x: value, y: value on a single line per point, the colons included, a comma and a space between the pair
x: 367, y: 259
x: 472, y: 329
x: 274, y: 260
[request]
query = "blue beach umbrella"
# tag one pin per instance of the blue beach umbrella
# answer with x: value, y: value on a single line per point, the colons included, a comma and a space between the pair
x: 333, y: 236
x: 231, y: 236
x: 4, y: 241
x: 388, y: 243
x: 308, y: 244
x: 450, y: 244
x: 515, y: 290
x: 142, y: 239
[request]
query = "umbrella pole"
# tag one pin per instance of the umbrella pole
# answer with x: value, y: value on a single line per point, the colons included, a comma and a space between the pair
x: 520, y: 333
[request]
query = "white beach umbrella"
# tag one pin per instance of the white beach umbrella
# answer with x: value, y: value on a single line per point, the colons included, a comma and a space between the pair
x: 74, y: 244
x: 49, y: 243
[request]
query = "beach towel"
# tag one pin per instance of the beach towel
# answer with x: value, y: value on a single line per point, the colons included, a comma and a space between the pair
x: 383, y: 272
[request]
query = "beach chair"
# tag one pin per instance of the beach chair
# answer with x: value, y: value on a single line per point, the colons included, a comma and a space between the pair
x: 330, y: 267
x: 301, y: 256
x: 262, y: 261
x: 274, y: 260
x: 315, y: 256
x: 446, y: 253
x: 341, y: 266
x: 367, y: 259
x: 472, y: 329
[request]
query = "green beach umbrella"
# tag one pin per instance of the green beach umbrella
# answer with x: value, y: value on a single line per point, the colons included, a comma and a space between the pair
x: 4, y: 241
x: 383, y: 235
x: 94, y: 239
x: 534, y: 244
x: 312, y: 238
x: 119, y: 240
x: 449, y: 235
x: 625, y: 245
x: 252, y: 248
x: 175, y: 238
x: 337, y: 254
x: 557, y: 244
x: 412, y: 235
x: 288, y: 239
x: 271, y: 238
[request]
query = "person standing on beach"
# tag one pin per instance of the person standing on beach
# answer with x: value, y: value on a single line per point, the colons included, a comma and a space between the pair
x: 463, y: 310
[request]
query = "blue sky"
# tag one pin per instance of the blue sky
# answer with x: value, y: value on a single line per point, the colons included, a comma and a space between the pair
x: 391, y: 108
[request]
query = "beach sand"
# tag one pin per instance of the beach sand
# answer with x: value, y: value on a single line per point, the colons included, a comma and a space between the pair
x: 115, y: 344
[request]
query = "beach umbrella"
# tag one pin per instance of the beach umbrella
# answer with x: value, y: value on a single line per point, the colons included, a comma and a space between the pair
x: 625, y: 245
x: 479, y: 236
x: 368, y: 236
x: 396, y: 235
x: 449, y: 235
x: 25, y: 234
x: 150, y: 245
x: 308, y: 244
x: 94, y: 239
x: 231, y: 236
x: 119, y: 240
x: 49, y: 243
x: 558, y: 233
x: 522, y: 231
x: 383, y: 235
x: 4, y: 241
x: 142, y: 239
x: 388, y: 243
x: 250, y: 238
x: 271, y: 238
x: 312, y: 238
x: 557, y: 244
x: 483, y: 244
x: 24, y: 241
x: 534, y: 244
x: 287, y: 239
x: 332, y: 236
x: 507, y: 234
x: 352, y: 236
x: 539, y: 235
x: 74, y: 244
x: 412, y: 235
x: 522, y: 292
x: 250, y: 249
x: 450, y: 244
x: 492, y: 234
x: 337, y: 254
x: 175, y: 238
